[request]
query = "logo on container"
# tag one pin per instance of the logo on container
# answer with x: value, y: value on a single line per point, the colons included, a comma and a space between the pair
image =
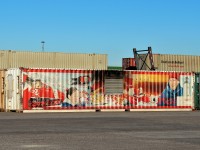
x: 179, y: 64
x: 172, y: 62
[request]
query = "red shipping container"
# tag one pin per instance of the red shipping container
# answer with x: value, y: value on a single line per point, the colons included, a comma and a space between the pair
x: 128, y: 64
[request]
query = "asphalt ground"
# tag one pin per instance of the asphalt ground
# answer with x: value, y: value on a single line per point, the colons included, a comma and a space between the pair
x: 100, y: 131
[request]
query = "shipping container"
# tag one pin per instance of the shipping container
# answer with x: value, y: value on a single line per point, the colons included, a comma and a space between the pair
x: 16, y: 59
x: 169, y: 62
x: 62, y: 89
x: 42, y: 88
x: 128, y: 64
x: 2, y: 88
x: 152, y: 89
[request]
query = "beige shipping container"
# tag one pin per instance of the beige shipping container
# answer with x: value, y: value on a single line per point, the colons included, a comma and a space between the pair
x: 15, y: 59
x: 2, y: 82
x: 4, y: 59
x: 169, y: 62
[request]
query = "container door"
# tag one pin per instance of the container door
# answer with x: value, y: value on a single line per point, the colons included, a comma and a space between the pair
x: 13, y: 90
x: 197, y: 89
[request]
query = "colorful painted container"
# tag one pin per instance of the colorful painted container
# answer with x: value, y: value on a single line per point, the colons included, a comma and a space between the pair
x: 29, y: 89
x: 145, y: 89
x: 62, y: 89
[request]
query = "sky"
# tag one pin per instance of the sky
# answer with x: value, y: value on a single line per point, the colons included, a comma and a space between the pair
x: 112, y: 27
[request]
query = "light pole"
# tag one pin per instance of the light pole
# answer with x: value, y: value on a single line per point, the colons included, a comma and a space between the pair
x: 43, y: 45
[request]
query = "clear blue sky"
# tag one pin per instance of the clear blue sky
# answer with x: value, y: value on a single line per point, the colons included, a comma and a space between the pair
x: 112, y: 27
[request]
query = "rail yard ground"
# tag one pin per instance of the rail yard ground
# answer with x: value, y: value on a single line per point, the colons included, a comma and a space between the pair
x: 100, y: 130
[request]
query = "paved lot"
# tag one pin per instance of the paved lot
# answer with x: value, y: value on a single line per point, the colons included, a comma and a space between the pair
x: 100, y: 131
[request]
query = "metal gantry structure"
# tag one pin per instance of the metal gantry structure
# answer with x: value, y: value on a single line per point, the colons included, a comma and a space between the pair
x: 142, y: 56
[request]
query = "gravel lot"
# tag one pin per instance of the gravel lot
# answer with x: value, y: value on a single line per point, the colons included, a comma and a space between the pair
x: 100, y: 130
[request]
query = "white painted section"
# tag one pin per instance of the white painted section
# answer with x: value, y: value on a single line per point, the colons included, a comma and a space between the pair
x: 13, y: 91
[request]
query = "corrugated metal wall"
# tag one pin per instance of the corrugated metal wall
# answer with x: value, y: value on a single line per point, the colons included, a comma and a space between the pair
x: 15, y: 59
x: 168, y: 62
x: 179, y: 63
x: 57, y: 89
x: 4, y: 59
x: 145, y: 89
x: 42, y: 88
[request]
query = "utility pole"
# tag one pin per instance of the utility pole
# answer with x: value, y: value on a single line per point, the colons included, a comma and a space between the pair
x: 43, y: 45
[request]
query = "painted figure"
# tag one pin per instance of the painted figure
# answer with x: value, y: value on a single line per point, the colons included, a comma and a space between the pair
x: 75, y: 98
x: 170, y: 93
